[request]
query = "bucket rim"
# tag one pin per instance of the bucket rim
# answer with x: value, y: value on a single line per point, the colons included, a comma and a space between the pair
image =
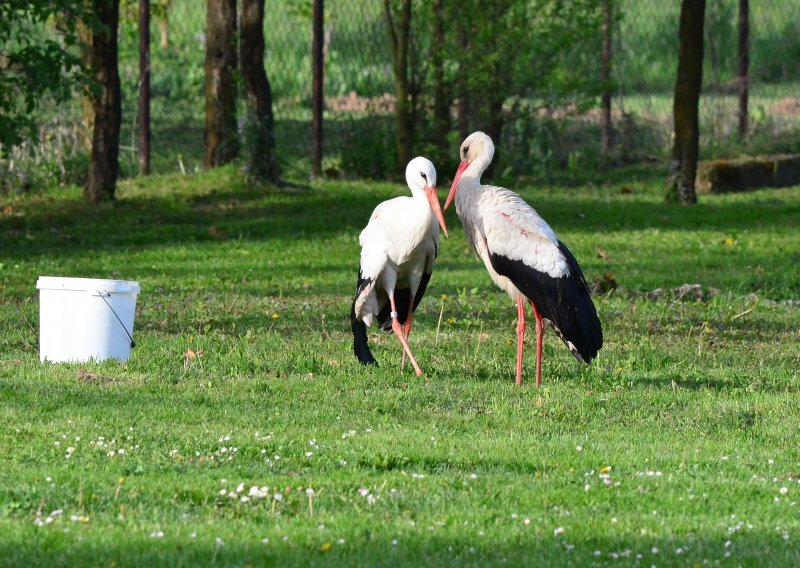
x: 87, y: 284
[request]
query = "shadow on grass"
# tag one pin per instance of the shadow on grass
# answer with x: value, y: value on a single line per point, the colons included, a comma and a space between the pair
x: 224, y: 210
x: 374, y: 546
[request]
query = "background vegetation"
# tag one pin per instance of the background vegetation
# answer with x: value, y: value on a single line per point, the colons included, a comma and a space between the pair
x: 551, y: 125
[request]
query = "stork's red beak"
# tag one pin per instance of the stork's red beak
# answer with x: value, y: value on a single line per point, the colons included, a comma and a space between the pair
x: 461, y: 167
x: 433, y: 199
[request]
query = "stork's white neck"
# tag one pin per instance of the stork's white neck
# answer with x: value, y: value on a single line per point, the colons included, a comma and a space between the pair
x: 471, y: 179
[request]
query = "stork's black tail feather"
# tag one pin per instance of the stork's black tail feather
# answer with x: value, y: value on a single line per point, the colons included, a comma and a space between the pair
x: 360, y: 347
x: 565, y: 302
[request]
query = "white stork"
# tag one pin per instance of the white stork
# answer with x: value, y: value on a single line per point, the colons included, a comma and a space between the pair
x: 524, y: 257
x: 398, y: 248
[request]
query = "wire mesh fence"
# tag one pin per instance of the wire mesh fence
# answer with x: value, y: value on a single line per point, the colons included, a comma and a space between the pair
x: 541, y: 135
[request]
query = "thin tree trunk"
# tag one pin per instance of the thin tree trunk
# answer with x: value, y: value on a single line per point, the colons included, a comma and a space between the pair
x: 744, y: 61
x: 685, y: 105
x: 605, y: 79
x: 318, y: 92
x: 220, y: 140
x: 496, y: 95
x: 463, y: 101
x: 399, y: 43
x: 144, y: 87
x: 85, y: 35
x: 441, y: 106
x: 262, y: 161
x: 163, y: 23
x: 107, y: 108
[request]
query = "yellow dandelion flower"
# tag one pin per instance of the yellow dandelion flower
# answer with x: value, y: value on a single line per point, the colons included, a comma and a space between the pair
x: 325, y: 547
x: 275, y: 316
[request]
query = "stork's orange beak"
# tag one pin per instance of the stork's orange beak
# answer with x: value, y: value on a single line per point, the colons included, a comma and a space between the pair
x: 461, y: 167
x: 433, y: 199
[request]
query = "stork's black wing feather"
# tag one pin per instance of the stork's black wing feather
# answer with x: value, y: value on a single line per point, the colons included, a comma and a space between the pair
x: 360, y: 346
x: 564, y: 301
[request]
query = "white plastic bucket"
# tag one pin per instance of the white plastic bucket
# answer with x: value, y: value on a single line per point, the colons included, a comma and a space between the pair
x: 85, y: 318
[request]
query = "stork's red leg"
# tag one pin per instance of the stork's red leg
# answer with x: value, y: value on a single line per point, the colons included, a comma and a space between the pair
x: 520, y: 336
x: 407, y: 330
x: 539, y: 342
x: 398, y: 331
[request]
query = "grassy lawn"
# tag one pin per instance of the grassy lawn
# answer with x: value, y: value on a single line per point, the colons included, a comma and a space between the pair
x: 680, y: 446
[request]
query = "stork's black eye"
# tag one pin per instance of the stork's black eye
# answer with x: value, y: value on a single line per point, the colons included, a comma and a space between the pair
x: 423, y: 176
x: 466, y: 149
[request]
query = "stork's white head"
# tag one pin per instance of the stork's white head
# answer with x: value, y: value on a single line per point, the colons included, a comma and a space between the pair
x: 476, y: 149
x: 421, y: 178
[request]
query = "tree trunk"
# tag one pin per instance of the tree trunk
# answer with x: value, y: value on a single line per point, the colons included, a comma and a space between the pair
x: 744, y: 61
x: 605, y: 79
x: 107, y: 108
x: 399, y: 44
x: 220, y: 140
x: 144, y: 87
x: 463, y: 101
x: 685, y: 105
x: 441, y: 106
x: 163, y: 23
x: 318, y: 92
x: 85, y: 36
x: 262, y: 162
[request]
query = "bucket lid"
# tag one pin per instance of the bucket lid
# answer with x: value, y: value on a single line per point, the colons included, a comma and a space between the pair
x: 87, y: 284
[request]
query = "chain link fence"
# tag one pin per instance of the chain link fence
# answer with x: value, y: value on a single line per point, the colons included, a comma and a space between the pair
x: 359, y: 126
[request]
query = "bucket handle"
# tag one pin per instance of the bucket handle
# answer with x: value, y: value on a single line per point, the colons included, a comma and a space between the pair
x: 103, y: 295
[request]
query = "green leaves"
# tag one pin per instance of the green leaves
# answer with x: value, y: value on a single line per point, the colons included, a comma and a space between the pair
x: 38, y: 60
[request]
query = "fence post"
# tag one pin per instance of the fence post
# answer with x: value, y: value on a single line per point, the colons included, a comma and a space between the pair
x: 318, y: 92
x: 605, y: 78
x: 744, y: 60
x: 144, y: 87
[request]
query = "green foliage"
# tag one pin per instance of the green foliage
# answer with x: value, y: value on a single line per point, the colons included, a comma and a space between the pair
x: 38, y: 61
x: 243, y: 342
x: 517, y: 51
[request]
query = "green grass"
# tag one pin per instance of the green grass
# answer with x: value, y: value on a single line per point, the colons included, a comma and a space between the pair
x: 691, y: 404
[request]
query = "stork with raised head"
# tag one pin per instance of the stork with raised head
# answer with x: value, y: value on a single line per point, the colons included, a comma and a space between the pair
x: 398, y: 249
x: 524, y: 257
